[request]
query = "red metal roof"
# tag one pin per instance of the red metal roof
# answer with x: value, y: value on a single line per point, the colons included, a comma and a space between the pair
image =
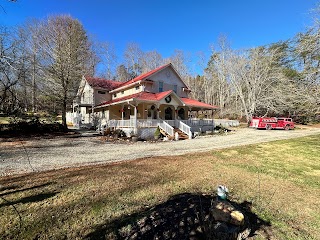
x: 142, y: 96
x: 102, y: 83
x: 144, y: 76
x: 146, y: 96
x: 194, y: 103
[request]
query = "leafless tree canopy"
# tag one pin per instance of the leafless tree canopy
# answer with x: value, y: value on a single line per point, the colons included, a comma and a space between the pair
x: 42, y: 61
x: 65, y: 54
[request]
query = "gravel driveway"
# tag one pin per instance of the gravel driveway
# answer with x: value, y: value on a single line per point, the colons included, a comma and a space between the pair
x: 60, y: 152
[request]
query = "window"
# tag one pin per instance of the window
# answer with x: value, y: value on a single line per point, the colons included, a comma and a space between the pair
x: 115, y: 95
x: 101, y: 92
x: 160, y: 86
x: 175, y: 87
x: 137, y: 87
x: 122, y: 92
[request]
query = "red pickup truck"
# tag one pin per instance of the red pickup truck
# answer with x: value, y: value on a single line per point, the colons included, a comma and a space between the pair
x: 272, y: 123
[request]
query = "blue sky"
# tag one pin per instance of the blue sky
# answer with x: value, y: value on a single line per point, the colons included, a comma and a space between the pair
x: 177, y: 24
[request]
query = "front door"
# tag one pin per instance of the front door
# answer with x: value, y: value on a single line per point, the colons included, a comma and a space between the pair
x: 168, y: 113
x: 181, y: 114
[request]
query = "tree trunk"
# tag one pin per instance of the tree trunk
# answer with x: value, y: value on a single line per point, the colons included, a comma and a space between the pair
x: 64, y: 113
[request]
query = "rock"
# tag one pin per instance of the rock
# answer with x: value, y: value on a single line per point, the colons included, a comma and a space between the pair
x: 225, y: 212
x: 237, y: 218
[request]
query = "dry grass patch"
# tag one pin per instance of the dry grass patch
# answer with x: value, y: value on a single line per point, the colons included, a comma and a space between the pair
x: 73, y: 203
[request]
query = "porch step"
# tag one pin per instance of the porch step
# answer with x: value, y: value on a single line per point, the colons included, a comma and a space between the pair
x: 182, y: 135
x: 164, y: 133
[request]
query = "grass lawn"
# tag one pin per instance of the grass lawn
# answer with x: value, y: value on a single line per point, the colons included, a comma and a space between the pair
x: 281, y: 179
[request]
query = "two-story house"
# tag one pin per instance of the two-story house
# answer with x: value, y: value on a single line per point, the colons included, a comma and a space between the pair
x: 138, y: 106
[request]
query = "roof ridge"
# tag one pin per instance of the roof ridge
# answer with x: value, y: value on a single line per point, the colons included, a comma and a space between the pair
x: 144, y: 75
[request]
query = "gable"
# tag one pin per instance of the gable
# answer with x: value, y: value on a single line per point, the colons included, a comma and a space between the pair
x: 82, y: 86
x: 166, y: 74
x: 169, y: 79
x: 171, y: 99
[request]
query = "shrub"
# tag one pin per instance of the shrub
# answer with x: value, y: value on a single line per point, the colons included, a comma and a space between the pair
x: 119, y: 133
x: 157, y: 133
x: 33, y: 126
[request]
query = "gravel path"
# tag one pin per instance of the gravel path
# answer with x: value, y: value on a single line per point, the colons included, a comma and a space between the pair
x: 47, y: 154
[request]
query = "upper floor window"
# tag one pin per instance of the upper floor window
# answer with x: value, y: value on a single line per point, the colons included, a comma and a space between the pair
x: 122, y: 92
x: 115, y: 95
x: 137, y: 87
x: 175, y: 88
x: 160, y: 86
x: 101, y: 92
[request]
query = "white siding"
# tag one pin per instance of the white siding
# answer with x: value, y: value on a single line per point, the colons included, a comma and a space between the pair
x: 87, y: 95
x: 127, y: 92
x: 100, y: 98
x: 169, y: 79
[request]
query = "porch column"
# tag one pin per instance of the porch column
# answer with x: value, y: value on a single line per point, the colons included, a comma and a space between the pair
x: 176, y: 121
x: 158, y: 109
x: 175, y: 112
x: 187, y: 113
x: 122, y: 111
x: 135, y: 128
x: 92, y: 115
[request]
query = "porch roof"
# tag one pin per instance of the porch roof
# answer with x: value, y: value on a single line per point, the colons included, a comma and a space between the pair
x: 154, y: 97
x: 141, y: 96
x: 197, y: 104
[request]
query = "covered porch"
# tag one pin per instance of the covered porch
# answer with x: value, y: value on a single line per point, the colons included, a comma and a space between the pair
x: 143, y: 112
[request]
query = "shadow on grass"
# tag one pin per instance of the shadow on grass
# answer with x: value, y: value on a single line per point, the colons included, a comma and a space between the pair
x: 30, y: 199
x: 16, y: 190
x: 183, y: 216
x: 12, y: 187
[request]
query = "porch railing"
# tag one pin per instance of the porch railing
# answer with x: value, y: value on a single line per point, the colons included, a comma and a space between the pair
x: 148, y: 122
x: 185, y: 128
x: 199, y: 122
x: 122, y: 123
x: 171, y: 122
x: 166, y: 127
x: 131, y: 123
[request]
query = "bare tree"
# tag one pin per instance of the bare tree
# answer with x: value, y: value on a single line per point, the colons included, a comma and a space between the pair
x: 180, y: 61
x: 150, y: 60
x: 122, y: 73
x: 217, y: 83
x: 132, y: 57
x: 307, y: 50
x: 106, y: 59
x: 9, y: 70
x: 65, y: 52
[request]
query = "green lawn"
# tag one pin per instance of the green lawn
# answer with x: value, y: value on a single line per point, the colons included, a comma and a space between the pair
x: 281, y: 179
